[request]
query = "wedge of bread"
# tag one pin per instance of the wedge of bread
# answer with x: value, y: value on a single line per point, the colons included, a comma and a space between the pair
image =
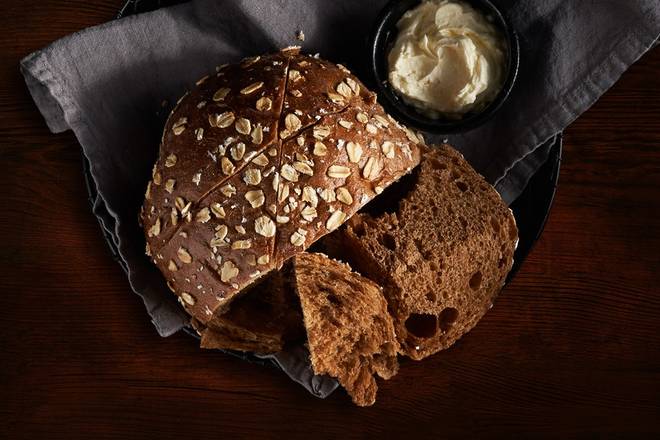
x: 442, y: 254
x: 349, y: 331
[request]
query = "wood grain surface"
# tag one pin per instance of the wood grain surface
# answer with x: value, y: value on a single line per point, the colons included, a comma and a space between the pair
x: 571, y: 349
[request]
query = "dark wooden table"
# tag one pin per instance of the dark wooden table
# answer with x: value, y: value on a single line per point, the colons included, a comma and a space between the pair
x: 572, y: 347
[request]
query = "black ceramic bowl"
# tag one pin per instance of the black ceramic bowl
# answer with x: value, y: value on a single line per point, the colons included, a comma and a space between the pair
x: 382, y: 40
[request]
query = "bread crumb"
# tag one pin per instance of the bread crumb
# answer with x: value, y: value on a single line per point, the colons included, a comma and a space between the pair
x: 300, y: 35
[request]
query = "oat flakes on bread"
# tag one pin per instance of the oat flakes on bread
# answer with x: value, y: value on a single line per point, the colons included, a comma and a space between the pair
x: 256, y: 163
x: 442, y: 255
x: 349, y: 332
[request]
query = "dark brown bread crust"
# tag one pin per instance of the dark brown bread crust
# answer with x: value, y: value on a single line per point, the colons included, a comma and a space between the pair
x: 257, y: 163
x: 349, y: 332
x: 442, y: 255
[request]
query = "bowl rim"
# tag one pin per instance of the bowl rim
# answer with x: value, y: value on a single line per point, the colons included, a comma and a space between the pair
x: 382, y: 35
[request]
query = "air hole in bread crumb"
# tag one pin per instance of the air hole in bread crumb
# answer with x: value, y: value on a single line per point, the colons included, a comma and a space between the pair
x: 359, y: 229
x: 422, y: 325
x: 436, y: 164
x: 463, y: 222
x: 455, y: 174
x: 330, y: 296
x: 495, y: 224
x: 434, y: 267
x: 461, y: 185
x: 333, y: 299
x: 388, y: 241
x: 447, y: 318
x: 475, y: 280
x: 431, y: 296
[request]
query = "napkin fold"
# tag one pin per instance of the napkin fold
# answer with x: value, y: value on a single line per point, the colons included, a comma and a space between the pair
x: 114, y: 85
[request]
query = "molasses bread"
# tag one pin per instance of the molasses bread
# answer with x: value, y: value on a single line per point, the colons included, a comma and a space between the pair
x: 442, y: 252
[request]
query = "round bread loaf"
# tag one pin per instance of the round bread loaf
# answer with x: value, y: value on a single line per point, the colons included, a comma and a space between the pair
x: 256, y: 163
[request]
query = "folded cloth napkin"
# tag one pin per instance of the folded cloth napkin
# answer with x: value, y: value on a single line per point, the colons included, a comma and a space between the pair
x: 114, y: 85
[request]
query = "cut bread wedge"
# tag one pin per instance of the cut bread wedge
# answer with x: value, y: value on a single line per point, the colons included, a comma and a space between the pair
x: 349, y: 331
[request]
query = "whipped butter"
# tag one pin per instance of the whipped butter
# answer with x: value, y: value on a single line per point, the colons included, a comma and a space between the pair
x: 447, y: 60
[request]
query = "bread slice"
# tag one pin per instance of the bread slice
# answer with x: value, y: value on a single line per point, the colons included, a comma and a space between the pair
x: 442, y: 255
x: 349, y: 331
x: 264, y: 320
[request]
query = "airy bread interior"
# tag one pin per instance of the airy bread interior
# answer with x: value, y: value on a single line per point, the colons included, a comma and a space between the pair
x: 349, y: 332
x: 441, y: 251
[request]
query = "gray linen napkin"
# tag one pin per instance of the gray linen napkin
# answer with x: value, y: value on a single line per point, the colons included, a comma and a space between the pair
x: 114, y: 84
